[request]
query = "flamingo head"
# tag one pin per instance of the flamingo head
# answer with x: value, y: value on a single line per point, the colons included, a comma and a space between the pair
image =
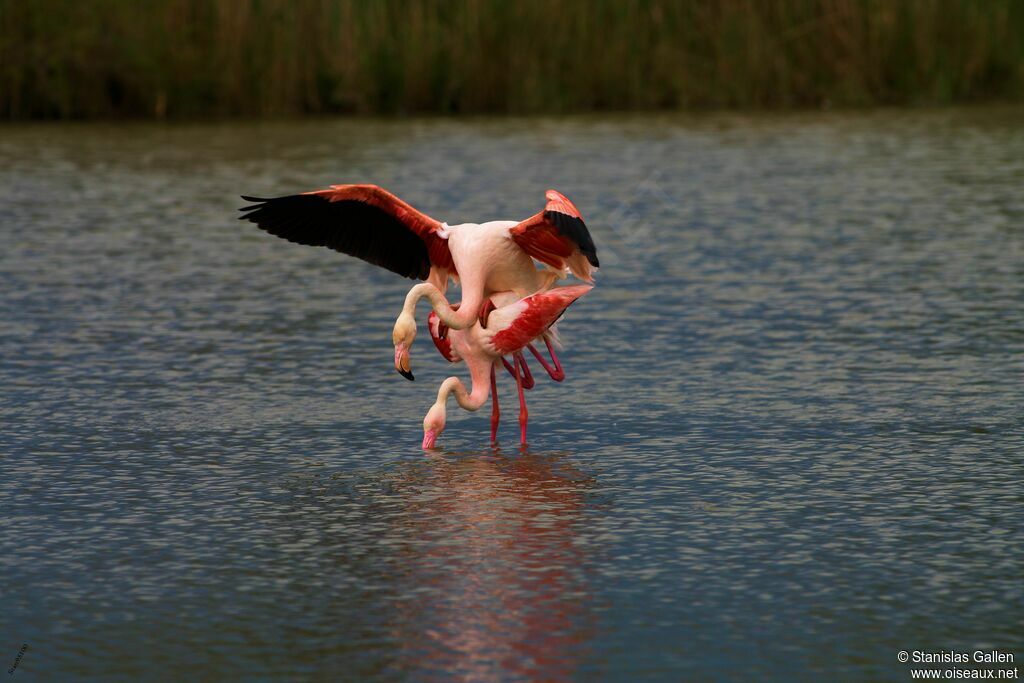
x: 433, y: 424
x: 403, y: 336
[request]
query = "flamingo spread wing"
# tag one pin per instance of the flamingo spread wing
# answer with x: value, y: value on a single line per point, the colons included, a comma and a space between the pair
x: 365, y: 221
x: 558, y: 237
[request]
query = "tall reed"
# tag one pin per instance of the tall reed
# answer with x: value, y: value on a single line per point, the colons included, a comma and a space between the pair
x: 185, y: 58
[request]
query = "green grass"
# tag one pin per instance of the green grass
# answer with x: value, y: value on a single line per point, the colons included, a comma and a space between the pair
x: 189, y: 58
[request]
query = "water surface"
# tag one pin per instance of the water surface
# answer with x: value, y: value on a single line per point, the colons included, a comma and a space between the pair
x: 789, y: 445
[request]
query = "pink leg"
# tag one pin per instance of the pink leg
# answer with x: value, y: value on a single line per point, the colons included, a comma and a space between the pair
x: 524, y: 415
x: 556, y: 373
x: 527, y: 375
x: 495, y: 411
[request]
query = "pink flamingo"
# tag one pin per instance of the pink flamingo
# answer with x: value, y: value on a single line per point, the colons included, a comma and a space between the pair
x: 505, y: 330
x: 440, y: 335
x: 370, y: 223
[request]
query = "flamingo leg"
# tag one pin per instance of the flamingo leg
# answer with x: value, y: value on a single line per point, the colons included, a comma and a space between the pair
x: 524, y: 414
x: 556, y: 372
x: 495, y: 410
x: 528, y: 382
x: 527, y: 375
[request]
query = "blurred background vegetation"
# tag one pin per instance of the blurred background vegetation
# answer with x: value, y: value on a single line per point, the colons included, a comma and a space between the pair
x: 196, y: 58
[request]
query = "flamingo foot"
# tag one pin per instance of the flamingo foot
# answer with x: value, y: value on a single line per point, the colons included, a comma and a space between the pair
x: 556, y: 373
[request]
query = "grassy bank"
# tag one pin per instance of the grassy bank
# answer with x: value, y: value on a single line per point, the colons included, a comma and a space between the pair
x: 185, y: 58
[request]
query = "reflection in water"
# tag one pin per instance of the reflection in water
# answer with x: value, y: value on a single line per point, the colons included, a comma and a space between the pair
x: 497, y: 578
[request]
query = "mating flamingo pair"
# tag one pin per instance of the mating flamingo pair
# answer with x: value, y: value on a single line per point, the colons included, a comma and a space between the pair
x: 507, y: 301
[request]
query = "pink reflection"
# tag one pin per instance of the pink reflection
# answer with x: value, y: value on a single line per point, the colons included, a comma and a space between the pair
x: 495, y: 578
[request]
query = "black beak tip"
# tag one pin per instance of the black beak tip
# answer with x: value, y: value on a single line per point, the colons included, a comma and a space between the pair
x: 407, y: 374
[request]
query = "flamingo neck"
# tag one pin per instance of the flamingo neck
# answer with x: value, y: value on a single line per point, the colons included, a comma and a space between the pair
x: 460, y: 319
x: 468, y: 400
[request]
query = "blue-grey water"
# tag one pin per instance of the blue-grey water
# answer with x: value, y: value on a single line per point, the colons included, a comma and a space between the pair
x: 789, y: 446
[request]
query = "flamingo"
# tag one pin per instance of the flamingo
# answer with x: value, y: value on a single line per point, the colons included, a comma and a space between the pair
x: 440, y: 334
x: 374, y: 225
x: 506, y: 330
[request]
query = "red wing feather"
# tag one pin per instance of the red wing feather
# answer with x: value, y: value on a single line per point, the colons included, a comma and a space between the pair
x: 364, y: 221
x: 439, y: 334
x: 420, y: 223
x: 558, y: 237
x: 536, y: 314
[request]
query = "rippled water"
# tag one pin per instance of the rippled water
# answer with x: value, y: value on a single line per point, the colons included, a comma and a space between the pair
x: 789, y: 446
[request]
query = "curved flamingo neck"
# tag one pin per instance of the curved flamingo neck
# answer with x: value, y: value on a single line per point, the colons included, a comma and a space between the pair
x: 480, y: 373
x: 466, y: 399
x: 457, y: 319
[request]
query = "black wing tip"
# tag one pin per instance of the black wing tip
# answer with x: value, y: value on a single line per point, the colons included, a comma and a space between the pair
x: 256, y: 203
x: 575, y: 229
x: 349, y: 226
x: 263, y: 201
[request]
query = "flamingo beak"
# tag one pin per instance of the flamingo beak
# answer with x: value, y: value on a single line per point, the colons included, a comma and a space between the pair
x: 402, y: 363
x: 429, y: 437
